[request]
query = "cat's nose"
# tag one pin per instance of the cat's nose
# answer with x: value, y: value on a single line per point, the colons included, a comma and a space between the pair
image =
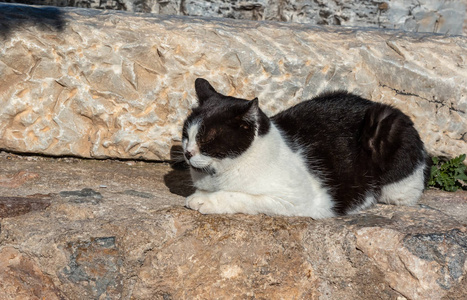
x: 188, y: 155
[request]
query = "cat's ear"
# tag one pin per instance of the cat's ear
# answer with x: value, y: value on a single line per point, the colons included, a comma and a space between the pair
x: 252, y: 111
x: 204, y: 90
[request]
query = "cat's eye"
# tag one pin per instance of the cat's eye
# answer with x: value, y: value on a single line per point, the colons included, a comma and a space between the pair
x: 209, y: 136
x: 184, y: 133
x: 244, y: 126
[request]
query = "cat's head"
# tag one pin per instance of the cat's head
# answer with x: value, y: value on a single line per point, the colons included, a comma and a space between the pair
x: 220, y: 127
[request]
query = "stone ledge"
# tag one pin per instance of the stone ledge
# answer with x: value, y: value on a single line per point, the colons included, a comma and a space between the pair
x: 117, y: 230
x: 105, y: 84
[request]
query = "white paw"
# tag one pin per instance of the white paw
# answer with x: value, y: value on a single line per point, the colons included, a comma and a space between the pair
x: 205, y: 203
x: 195, y: 201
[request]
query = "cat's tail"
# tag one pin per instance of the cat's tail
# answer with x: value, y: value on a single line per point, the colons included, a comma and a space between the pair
x: 383, y: 130
x: 394, y: 147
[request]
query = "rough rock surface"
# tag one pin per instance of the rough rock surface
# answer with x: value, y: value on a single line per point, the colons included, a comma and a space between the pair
x: 410, y: 15
x: 106, y: 84
x: 117, y: 230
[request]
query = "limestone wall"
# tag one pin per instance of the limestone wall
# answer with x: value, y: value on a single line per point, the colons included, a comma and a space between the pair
x: 438, y: 16
x: 105, y: 84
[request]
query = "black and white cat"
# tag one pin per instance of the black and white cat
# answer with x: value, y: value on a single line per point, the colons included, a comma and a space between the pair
x: 333, y: 155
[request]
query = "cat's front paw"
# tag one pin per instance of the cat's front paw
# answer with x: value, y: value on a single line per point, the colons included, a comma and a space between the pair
x: 205, y: 203
x: 195, y: 201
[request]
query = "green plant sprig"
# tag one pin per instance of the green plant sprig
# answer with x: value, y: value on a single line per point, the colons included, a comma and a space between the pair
x: 448, y: 175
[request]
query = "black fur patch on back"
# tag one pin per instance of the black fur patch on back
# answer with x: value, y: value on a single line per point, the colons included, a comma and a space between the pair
x: 354, y: 145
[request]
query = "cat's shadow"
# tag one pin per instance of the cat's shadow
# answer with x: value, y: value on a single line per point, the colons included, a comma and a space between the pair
x: 178, y: 180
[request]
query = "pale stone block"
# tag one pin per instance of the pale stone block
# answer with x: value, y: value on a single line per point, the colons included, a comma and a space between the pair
x: 104, y: 84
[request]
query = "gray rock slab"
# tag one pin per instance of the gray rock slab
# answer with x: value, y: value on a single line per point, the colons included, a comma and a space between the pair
x: 139, y: 242
x: 106, y: 84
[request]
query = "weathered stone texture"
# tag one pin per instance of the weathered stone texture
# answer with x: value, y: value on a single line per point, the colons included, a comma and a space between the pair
x: 411, y: 15
x: 114, y: 230
x: 22, y: 278
x: 106, y: 84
